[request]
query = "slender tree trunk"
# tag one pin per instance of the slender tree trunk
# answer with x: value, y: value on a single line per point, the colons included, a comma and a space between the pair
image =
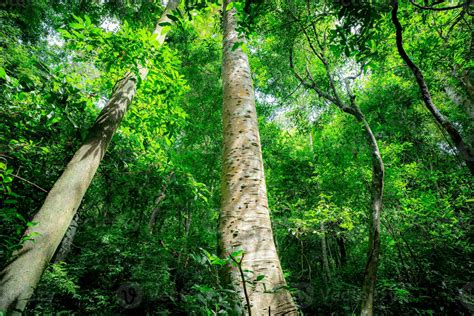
x: 245, y: 220
x: 22, y: 274
x: 327, y: 271
x: 370, y: 274
x: 342, y: 250
x: 159, y: 199
x: 463, y: 149
x: 368, y: 287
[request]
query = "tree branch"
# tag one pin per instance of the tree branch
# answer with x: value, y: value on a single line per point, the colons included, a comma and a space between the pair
x: 311, y: 85
x: 27, y: 181
x: 465, y: 4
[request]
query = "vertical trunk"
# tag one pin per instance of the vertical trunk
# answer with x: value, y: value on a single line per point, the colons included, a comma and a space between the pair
x: 463, y: 149
x: 342, y: 250
x: 159, y: 199
x: 66, y: 243
x: 22, y: 274
x: 327, y: 271
x: 156, y: 210
x: 368, y: 287
x: 245, y: 220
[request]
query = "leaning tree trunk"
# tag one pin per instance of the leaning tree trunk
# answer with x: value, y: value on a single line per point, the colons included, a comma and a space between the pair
x: 463, y: 149
x: 370, y: 274
x: 245, y: 220
x: 22, y: 274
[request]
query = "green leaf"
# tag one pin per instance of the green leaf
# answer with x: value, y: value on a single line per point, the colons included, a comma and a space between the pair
x: 172, y: 17
x: 76, y: 26
x: 229, y: 6
x: 237, y: 253
x: 260, y: 277
x: 237, y: 45
x: 3, y: 74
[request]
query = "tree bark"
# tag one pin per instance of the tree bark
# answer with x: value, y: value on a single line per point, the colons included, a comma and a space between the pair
x: 245, y: 220
x: 464, y: 150
x: 20, y: 277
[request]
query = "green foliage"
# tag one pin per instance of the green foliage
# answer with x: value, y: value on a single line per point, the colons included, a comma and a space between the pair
x: 317, y: 164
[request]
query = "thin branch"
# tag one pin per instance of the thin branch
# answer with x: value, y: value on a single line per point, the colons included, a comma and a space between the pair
x: 319, y: 55
x: 357, y: 75
x: 311, y: 85
x: 33, y: 184
x: 239, y: 266
x: 440, y: 9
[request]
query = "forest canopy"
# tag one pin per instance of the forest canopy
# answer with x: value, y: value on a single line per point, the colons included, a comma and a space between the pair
x: 236, y: 157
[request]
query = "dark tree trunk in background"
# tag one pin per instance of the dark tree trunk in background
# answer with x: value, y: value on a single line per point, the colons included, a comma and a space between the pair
x: 342, y: 250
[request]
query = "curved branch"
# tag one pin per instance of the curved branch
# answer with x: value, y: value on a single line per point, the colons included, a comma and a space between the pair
x: 440, y: 9
x: 311, y: 85
x: 463, y: 149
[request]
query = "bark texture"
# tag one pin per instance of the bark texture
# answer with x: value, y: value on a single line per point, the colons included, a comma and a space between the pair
x: 245, y: 220
x: 20, y: 277
x: 465, y: 151
x: 342, y: 250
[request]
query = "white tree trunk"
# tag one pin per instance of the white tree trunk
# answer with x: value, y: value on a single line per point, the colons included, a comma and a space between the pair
x: 245, y: 219
x: 22, y: 274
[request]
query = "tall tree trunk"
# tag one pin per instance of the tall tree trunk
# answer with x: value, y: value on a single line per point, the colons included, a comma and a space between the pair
x: 370, y: 274
x: 22, y: 274
x: 245, y: 220
x: 327, y: 271
x: 464, y: 150
x: 368, y: 286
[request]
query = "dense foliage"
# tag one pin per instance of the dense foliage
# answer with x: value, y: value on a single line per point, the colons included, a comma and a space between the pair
x: 59, y: 63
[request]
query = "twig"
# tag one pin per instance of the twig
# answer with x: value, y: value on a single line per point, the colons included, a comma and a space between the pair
x: 33, y: 184
x: 440, y: 9
x: 239, y: 266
